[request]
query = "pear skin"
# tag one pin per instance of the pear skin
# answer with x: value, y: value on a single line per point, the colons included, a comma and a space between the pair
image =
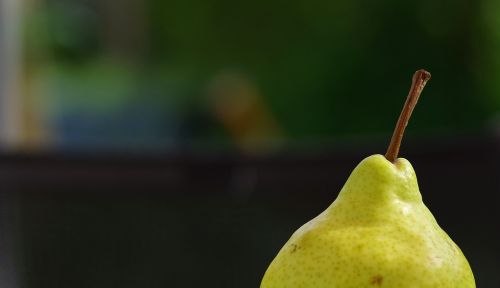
x: 377, y: 233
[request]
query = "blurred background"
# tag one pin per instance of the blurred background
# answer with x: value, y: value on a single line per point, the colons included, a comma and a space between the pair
x: 180, y: 143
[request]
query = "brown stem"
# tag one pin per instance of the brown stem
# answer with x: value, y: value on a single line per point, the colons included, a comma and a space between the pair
x: 420, y: 78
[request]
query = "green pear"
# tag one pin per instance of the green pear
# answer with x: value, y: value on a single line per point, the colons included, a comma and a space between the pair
x: 377, y: 233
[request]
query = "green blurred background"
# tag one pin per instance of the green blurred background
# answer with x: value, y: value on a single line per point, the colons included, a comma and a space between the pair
x: 179, y: 143
x: 140, y: 74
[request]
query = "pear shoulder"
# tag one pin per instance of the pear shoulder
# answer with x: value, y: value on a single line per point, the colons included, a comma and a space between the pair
x: 377, y: 177
x: 377, y: 166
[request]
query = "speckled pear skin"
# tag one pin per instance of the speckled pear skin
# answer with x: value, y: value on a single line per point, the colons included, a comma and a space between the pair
x: 377, y: 233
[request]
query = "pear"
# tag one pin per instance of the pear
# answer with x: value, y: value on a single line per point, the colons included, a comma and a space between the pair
x: 377, y: 233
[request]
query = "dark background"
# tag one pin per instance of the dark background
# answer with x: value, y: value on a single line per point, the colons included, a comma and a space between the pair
x: 216, y: 220
x: 180, y: 143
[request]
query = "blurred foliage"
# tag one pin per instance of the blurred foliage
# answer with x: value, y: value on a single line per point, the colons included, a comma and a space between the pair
x: 336, y: 67
x: 326, y: 69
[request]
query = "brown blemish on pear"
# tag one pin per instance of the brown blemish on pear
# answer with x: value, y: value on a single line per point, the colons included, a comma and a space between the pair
x: 377, y: 280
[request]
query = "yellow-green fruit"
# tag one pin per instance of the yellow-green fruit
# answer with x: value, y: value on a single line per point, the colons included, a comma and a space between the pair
x: 377, y: 233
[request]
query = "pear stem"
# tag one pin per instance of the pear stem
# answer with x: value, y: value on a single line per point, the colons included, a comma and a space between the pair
x: 419, y: 80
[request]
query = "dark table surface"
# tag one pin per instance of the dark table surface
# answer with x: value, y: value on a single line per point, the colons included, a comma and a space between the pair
x: 214, y: 219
